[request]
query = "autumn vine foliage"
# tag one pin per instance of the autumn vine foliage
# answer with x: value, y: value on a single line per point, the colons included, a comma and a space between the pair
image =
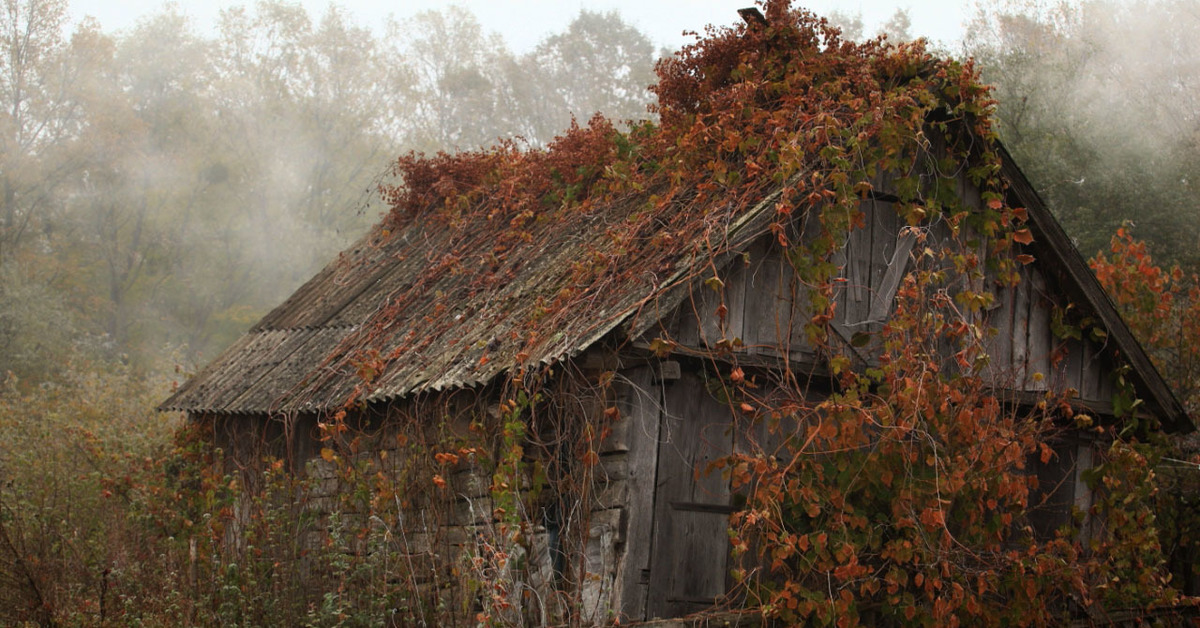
x: 787, y: 111
x: 902, y: 498
x: 901, y: 486
x: 1160, y: 305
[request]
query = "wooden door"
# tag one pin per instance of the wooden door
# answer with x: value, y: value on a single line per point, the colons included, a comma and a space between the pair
x: 689, y: 563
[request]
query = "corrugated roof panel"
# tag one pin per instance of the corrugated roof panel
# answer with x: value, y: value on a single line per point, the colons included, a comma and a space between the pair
x: 237, y: 369
x: 287, y: 372
x: 201, y: 392
x: 429, y: 304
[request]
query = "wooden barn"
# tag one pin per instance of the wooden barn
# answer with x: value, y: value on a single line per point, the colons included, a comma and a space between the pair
x: 622, y: 314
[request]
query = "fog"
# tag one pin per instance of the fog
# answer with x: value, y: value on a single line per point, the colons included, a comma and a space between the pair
x: 525, y: 23
x: 163, y: 187
x: 1099, y: 103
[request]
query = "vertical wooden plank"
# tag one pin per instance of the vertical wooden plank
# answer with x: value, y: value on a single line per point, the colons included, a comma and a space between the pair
x: 1020, y: 333
x: 1073, y: 367
x: 775, y: 305
x: 1055, y: 495
x: 972, y: 200
x: 714, y: 427
x: 801, y: 303
x: 1000, y: 349
x: 711, y: 297
x: 799, y: 310
x: 763, y: 303
x: 969, y: 193
x: 1087, y: 376
x: 860, y: 256
x: 669, y: 326
x: 841, y: 295
x: 884, y: 235
x: 1104, y: 384
x: 1083, y: 492
x: 884, y: 182
x: 701, y: 567
x: 1092, y: 375
x: 640, y: 402
x: 704, y: 565
x: 689, y: 313
x: 1040, y: 340
x: 738, y: 273
x: 673, y: 484
x: 731, y: 293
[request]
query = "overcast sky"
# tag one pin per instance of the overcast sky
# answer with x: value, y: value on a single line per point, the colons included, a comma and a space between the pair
x: 523, y: 23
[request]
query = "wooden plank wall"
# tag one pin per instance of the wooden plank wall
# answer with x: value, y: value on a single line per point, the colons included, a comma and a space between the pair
x: 766, y: 307
x: 676, y: 556
x: 1025, y: 354
x: 677, y: 516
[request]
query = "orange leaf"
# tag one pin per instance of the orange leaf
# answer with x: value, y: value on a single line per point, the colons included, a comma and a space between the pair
x: 1023, y: 236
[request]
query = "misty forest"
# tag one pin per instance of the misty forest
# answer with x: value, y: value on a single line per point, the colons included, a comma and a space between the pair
x: 163, y: 187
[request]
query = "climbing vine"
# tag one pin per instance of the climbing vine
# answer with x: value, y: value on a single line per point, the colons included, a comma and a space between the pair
x: 1162, y: 307
x: 466, y: 465
x: 896, y: 489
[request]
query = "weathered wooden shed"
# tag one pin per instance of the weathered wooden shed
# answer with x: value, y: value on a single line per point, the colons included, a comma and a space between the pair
x: 430, y: 319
